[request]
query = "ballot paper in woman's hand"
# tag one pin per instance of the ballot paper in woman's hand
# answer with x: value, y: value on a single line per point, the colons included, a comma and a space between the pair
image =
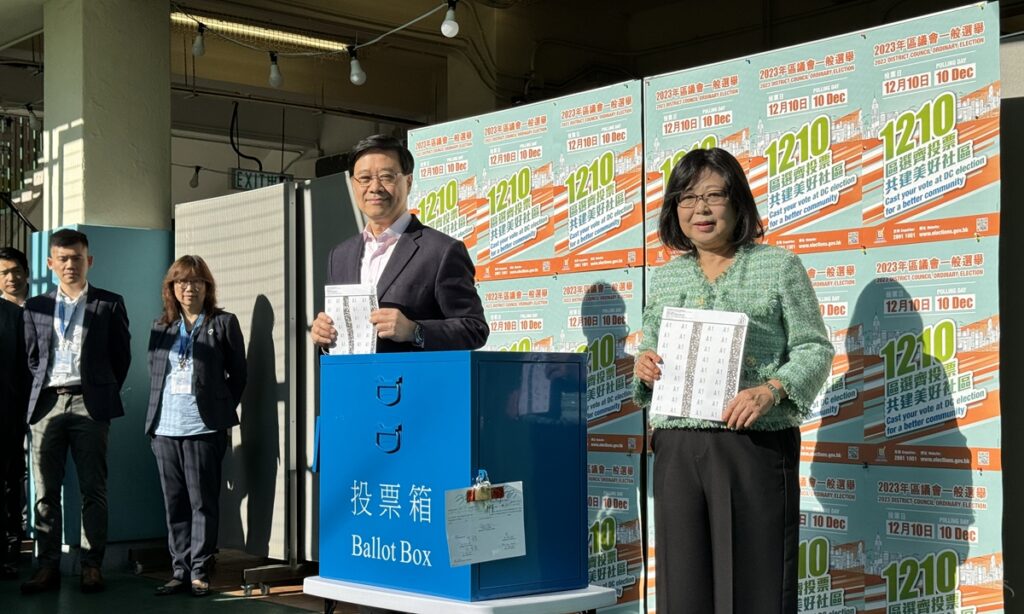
x: 702, y: 352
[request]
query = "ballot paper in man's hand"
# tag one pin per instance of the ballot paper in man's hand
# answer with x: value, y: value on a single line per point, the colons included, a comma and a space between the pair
x: 349, y: 305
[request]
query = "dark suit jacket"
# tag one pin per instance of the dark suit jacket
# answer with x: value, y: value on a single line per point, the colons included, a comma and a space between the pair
x: 218, y: 369
x: 106, y: 350
x: 14, y: 374
x: 430, y: 278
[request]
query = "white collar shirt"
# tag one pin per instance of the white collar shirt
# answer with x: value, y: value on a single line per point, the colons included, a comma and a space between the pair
x: 70, y: 340
x: 377, y: 250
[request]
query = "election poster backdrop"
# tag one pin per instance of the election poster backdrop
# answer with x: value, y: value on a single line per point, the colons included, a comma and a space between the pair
x: 447, y: 186
x: 548, y: 199
x: 599, y: 179
x: 697, y: 108
x: 597, y: 313
x: 874, y: 156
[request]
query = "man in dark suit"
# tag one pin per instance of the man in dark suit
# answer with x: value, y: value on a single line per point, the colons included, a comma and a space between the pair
x: 79, y: 351
x: 424, y: 279
x: 14, y: 379
x: 14, y: 273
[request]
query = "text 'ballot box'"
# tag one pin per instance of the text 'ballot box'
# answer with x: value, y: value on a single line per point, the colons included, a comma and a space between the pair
x: 398, y: 430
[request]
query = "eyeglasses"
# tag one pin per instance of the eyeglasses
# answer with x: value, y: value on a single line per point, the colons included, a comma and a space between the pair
x: 195, y: 283
x: 716, y: 198
x: 386, y: 179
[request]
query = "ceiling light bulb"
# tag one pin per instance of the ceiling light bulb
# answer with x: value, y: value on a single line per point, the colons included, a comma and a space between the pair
x: 194, y: 181
x: 198, y: 46
x: 450, y: 27
x: 276, y: 79
x: 356, y: 74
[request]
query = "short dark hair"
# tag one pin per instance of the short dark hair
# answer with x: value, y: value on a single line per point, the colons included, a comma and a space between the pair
x: 687, y: 172
x: 18, y: 256
x: 382, y: 142
x: 68, y: 238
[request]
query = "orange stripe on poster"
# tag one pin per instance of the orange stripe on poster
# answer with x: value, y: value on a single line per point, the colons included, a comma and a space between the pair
x: 627, y: 223
x: 613, y: 259
x: 892, y: 454
x: 983, y: 410
x: 849, y: 197
x: 816, y: 242
x: 627, y: 409
x: 986, y: 175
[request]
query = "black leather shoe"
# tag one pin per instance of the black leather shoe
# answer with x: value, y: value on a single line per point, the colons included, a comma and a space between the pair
x: 45, y: 579
x: 92, y: 580
x: 171, y: 588
x: 200, y: 588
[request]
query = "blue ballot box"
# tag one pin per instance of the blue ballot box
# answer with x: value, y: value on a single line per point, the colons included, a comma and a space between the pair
x: 398, y: 430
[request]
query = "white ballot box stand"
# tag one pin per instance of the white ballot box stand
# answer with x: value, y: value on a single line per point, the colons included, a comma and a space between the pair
x: 562, y: 602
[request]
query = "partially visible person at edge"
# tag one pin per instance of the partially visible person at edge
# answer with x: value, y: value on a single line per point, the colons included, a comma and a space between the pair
x: 14, y: 382
x: 726, y: 492
x: 424, y: 279
x: 13, y: 275
x: 197, y: 375
x: 79, y: 351
x: 14, y: 385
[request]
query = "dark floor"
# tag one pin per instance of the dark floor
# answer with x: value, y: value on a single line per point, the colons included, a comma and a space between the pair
x: 128, y: 593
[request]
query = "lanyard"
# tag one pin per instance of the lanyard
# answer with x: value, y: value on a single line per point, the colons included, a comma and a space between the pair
x: 187, y: 339
x: 64, y: 322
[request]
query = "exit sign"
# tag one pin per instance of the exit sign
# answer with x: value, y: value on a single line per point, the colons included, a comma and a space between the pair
x: 243, y: 179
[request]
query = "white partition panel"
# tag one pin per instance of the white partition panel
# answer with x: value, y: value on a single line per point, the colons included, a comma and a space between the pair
x: 246, y: 239
x: 327, y: 216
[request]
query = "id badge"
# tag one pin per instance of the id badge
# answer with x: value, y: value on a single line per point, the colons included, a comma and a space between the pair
x: 62, y: 361
x: 181, y: 382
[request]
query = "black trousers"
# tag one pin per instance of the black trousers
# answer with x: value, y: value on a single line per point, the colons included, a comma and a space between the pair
x: 726, y: 521
x: 13, y: 479
x: 190, y: 476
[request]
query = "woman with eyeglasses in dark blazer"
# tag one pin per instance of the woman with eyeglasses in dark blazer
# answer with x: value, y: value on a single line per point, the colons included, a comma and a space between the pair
x: 197, y: 375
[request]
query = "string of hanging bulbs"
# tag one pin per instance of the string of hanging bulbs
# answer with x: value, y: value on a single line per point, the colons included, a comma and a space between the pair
x: 228, y: 31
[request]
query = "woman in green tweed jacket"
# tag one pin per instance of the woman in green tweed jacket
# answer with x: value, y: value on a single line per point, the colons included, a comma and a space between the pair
x: 726, y: 494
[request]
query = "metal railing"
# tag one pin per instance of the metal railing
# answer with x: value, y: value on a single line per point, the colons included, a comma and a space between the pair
x: 20, y: 142
x: 15, y: 229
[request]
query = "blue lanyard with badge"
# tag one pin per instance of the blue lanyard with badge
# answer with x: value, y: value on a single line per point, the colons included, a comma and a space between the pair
x: 181, y: 376
x: 65, y: 354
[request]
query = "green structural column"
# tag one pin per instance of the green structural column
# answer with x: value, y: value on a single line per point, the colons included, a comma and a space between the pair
x: 131, y: 262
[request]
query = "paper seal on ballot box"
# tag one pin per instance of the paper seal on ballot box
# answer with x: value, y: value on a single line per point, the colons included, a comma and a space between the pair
x: 485, y: 522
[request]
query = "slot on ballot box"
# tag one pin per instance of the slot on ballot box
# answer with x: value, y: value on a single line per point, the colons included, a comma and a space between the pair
x: 398, y: 431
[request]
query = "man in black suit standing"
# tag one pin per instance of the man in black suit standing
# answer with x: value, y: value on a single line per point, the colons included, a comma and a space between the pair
x: 79, y: 351
x: 424, y: 279
x: 14, y: 379
x: 14, y: 273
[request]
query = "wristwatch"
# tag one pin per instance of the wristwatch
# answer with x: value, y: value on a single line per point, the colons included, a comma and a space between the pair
x: 776, y: 394
x: 417, y: 336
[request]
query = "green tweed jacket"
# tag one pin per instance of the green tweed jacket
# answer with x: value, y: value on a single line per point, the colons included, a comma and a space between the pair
x: 786, y: 337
